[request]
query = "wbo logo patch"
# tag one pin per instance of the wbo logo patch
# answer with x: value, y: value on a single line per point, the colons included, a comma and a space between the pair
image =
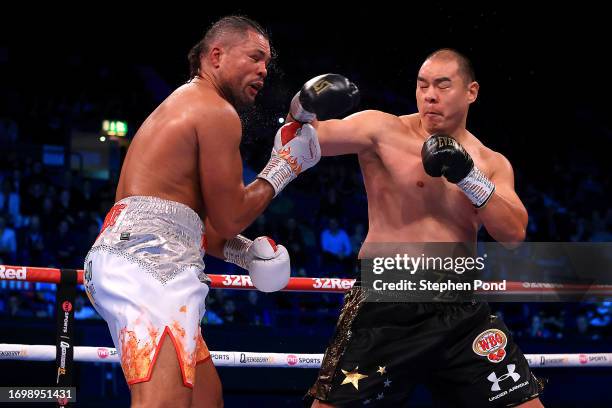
x: 491, y: 344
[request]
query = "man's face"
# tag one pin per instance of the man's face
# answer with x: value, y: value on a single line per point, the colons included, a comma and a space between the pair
x: 244, y: 67
x: 442, y: 95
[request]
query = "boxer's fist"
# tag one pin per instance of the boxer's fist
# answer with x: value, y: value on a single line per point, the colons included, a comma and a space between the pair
x: 296, y: 148
x: 324, y: 97
x: 268, y: 264
x: 443, y: 156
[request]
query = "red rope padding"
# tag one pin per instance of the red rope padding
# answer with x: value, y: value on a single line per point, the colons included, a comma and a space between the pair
x: 33, y: 274
x: 334, y: 285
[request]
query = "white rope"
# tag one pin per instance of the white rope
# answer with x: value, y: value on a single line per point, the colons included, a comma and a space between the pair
x: 289, y: 360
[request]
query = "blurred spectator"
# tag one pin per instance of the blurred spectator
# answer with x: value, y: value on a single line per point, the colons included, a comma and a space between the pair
x: 63, y: 246
x: 33, y: 243
x: 331, y: 206
x: 10, y: 203
x: 48, y: 216
x: 231, y: 314
x: 357, y: 238
x: 8, y: 243
x: 336, y: 248
x: 33, y: 200
x: 82, y: 310
x: 18, y: 308
x: 255, y: 309
x: 290, y: 236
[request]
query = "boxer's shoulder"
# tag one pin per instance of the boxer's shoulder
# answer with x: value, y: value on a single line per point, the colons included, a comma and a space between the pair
x: 410, y: 122
x: 209, y: 114
x: 379, y: 123
x: 488, y: 160
x: 200, y: 103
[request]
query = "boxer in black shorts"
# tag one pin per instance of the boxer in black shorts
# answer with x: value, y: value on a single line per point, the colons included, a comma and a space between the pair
x: 428, y: 179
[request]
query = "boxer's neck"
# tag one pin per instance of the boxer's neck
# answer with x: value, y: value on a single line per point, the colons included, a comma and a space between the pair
x: 459, y: 133
x: 208, y: 80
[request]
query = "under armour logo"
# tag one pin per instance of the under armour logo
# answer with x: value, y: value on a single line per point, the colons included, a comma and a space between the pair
x: 493, y: 377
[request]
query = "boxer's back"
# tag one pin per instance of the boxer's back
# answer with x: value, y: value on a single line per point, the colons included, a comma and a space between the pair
x: 162, y: 160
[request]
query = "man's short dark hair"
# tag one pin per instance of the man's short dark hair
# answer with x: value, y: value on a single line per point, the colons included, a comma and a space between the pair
x: 234, y: 24
x: 466, y: 68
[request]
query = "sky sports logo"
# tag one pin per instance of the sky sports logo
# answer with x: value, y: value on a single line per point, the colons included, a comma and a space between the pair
x: 293, y: 360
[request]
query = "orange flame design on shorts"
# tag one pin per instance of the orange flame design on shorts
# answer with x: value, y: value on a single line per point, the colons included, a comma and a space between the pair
x: 202, y: 352
x: 136, y: 358
x: 188, y: 360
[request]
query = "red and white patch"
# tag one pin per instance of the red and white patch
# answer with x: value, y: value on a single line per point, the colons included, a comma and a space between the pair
x: 491, y: 344
x: 272, y: 244
x: 583, y: 359
x: 103, y: 352
x: 289, y: 131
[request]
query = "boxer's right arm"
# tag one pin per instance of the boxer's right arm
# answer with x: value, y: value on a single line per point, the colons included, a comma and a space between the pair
x: 230, y: 206
x: 352, y: 135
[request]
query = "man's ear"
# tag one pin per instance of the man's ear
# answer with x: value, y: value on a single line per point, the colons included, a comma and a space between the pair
x: 214, y: 56
x: 473, y: 88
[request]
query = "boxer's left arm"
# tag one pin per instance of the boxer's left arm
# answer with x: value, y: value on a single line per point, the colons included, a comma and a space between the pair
x: 499, y: 208
x: 214, y: 241
x: 504, y: 216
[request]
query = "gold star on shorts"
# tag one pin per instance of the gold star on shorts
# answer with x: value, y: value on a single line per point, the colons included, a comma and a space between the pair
x: 353, y: 377
x: 381, y: 370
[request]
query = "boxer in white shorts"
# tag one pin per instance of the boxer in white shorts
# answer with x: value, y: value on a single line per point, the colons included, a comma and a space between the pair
x: 151, y: 283
x: 182, y: 176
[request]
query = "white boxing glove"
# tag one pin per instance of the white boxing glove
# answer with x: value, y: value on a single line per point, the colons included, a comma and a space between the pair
x: 296, y: 148
x: 268, y: 264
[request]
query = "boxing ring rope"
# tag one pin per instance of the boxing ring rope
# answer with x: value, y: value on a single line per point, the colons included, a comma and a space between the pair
x: 329, y: 285
x: 287, y: 360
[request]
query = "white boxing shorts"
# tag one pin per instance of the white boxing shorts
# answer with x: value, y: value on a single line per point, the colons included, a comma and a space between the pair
x: 145, y: 276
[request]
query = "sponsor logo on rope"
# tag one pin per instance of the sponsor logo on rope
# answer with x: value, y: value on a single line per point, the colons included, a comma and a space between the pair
x: 332, y: 283
x: 220, y: 356
x: 244, y: 359
x: 292, y: 360
x: 11, y: 354
x: 243, y: 281
x: 12, y: 273
x: 544, y: 360
x: 61, y: 370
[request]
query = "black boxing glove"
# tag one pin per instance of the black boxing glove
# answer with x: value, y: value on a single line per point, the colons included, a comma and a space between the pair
x: 324, y: 97
x: 442, y: 155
